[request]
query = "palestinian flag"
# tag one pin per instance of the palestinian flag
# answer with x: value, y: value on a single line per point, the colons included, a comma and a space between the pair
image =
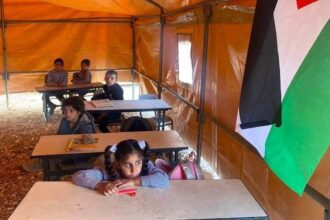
x: 285, y: 100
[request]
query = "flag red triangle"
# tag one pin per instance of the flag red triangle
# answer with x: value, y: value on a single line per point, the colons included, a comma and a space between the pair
x: 303, y: 3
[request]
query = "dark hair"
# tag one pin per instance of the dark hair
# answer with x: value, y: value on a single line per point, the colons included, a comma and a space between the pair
x: 86, y: 61
x: 124, y: 149
x: 76, y: 102
x: 135, y: 123
x: 59, y: 60
x: 112, y: 72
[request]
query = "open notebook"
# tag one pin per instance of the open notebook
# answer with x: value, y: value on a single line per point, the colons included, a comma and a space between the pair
x: 80, y: 144
x: 102, y: 103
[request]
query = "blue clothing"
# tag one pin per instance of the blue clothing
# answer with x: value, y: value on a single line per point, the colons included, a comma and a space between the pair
x: 84, y: 125
x: 156, y: 178
x: 113, y: 92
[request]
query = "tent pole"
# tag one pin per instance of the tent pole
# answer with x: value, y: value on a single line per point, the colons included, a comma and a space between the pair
x: 161, y: 55
x: 4, y: 52
x: 157, y: 6
x: 207, y: 13
x: 161, y: 48
x: 134, y: 54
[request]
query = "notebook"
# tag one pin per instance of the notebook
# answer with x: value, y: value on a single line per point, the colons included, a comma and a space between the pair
x: 102, y: 103
x: 78, y: 144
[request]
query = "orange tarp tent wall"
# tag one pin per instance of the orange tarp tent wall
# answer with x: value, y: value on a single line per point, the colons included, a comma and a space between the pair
x: 132, y: 37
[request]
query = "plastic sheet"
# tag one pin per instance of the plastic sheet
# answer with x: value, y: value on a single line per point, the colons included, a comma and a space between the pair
x: 188, y: 23
x: 31, y: 47
x: 229, y: 36
x: 34, y: 47
x: 122, y: 7
x: 147, y: 47
x: 26, y: 10
x: 172, y: 5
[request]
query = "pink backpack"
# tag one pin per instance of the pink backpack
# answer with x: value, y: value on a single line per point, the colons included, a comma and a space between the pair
x: 186, y: 170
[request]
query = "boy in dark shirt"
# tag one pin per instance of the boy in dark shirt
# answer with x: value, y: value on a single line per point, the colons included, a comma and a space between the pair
x: 113, y: 91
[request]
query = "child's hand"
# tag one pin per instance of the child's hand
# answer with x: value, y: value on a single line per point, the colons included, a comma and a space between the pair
x: 123, y: 182
x: 106, y: 188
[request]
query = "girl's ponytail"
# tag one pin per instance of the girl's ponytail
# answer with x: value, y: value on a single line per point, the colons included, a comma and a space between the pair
x: 145, y: 170
x: 108, y: 163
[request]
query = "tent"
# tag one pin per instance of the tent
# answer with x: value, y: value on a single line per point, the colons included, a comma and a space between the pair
x: 141, y: 40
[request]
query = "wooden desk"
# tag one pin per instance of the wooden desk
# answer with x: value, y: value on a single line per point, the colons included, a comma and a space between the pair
x: 54, y: 146
x: 134, y: 106
x: 184, y: 199
x: 65, y: 90
x: 71, y: 87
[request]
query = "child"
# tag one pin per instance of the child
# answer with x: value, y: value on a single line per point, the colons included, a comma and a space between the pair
x: 131, y: 167
x: 57, y: 77
x: 75, y: 120
x: 113, y: 91
x: 84, y: 76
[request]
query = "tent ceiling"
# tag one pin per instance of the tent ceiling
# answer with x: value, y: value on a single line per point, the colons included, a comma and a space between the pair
x: 124, y: 7
x: 61, y: 9
x: 41, y: 10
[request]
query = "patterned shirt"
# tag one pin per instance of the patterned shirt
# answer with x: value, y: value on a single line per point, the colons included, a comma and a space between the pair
x: 156, y: 178
x: 82, y: 77
x: 60, y: 77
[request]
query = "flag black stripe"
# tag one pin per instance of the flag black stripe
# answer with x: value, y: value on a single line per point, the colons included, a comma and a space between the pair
x: 260, y: 102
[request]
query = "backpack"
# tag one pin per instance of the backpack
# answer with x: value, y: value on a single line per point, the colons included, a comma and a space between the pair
x: 135, y: 123
x: 186, y: 170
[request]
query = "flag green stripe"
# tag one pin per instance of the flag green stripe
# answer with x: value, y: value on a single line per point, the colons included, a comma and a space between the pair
x: 294, y: 149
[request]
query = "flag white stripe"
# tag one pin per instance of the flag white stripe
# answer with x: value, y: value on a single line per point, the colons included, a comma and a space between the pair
x: 296, y: 32
x: 256, y: 136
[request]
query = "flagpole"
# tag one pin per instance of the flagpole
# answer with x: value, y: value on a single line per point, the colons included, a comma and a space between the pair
x: 4, y: 52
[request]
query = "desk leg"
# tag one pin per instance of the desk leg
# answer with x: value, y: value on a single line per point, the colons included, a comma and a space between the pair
x: 171, y: 159
x: 45, y: 164
x: 176, y: 156
x: 327, y: 212
x: 44, y: 105
x: 158, y: 117
x: 163, y: 119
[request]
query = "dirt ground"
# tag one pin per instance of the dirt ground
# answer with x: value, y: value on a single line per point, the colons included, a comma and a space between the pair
x: 20, y: 129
